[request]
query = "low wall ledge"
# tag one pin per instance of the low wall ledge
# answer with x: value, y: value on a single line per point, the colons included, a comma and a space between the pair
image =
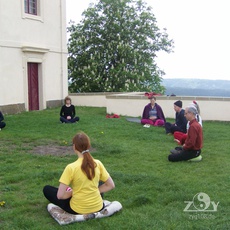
x: 198, y: 98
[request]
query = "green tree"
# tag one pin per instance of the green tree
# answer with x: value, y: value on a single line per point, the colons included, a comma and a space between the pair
x: 113, y: 48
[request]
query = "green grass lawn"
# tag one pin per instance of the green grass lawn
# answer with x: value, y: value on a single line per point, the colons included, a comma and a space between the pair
x: 152, y: 190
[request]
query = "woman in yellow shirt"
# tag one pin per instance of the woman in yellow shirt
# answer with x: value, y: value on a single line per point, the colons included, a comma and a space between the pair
x: 78, y: 191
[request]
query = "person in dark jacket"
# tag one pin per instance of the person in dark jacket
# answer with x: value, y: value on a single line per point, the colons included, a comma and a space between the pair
x: 153, y: 113
x: 180, y: 120
x: 2, y: 124
x: 67, y: 113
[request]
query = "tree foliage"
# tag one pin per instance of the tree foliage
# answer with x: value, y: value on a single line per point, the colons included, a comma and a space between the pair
x: 113, y: 48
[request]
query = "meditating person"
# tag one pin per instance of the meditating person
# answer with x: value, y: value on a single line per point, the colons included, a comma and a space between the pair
x: 180, y: 137
x: 2, y: 124
x: 153, y: 113
x: 180, y: 120
x: 191, y: 149
x: 67, y: 113
x: 78, y: 191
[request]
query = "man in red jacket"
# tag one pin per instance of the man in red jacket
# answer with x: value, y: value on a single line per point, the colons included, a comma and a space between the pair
x: 194, y: 141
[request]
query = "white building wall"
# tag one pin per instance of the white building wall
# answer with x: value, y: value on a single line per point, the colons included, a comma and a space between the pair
x: 11, y: 76
x: 27, y: 38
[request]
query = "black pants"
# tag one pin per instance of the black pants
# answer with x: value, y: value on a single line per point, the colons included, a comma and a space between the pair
x: 73, y: 120
x: 184, y: 155
x: 50, y: 193
x: 2, y: 124
x: 171, y: 128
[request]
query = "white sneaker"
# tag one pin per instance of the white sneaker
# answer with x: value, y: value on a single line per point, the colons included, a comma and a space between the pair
x: 146, y: 126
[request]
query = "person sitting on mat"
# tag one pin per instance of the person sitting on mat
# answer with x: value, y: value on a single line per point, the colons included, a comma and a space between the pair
x: 153, y: 113
x: 83, y: 175
x: 194, y: 141
x: 67, y: 113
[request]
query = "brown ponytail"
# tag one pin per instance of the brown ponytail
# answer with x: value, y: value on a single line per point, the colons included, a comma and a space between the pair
x: 82, y: 144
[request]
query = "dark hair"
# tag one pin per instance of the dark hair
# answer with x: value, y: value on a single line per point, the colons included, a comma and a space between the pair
x: 152, y: 97
x: 178, y: 103
x: 82, y: 143
x: 67, y: 98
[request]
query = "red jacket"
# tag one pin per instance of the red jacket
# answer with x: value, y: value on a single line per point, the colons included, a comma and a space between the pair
x: 194, y: 140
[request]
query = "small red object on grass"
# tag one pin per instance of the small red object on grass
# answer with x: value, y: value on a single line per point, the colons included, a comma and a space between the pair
x: 112, y: 116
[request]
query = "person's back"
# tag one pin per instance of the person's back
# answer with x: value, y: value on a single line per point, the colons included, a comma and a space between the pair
x: 83, y: 176
x: 86, y: 197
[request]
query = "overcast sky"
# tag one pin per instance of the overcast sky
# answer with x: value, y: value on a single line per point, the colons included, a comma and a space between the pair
x: 200, y: 30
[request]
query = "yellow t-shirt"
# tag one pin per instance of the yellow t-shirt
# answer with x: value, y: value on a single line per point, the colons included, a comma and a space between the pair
x: 86, y: 197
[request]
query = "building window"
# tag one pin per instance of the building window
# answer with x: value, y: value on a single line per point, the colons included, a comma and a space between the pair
x: 31, y: 7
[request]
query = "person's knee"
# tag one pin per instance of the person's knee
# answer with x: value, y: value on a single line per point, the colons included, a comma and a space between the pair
x: 174, y: 157
x: 170, y: 157
x: 159, y: 123
x: 142, y: 121
x: 75, y: 119
x: 2, y: 125
x: 45, y: 189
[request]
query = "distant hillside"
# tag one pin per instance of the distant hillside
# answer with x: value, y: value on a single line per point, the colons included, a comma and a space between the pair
x: 197, y: 87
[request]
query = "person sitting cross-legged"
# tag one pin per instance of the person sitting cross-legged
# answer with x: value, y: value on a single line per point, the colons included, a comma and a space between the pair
x: 83, y: 175
x: 67, y: 113
x: 191, y: 149
x: 180, y: 137
x: 180, y: 120
x: 153, y: 113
